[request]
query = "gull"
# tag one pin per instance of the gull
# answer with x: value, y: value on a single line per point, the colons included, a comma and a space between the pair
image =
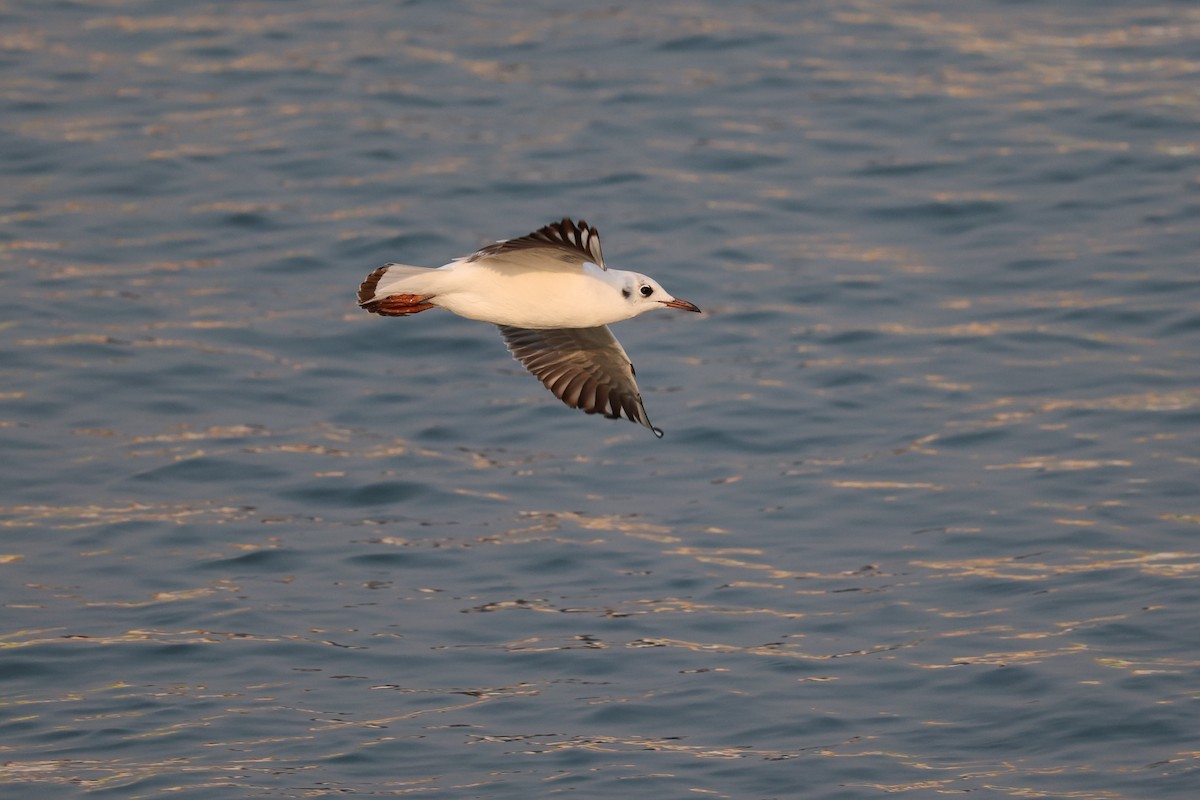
x: 553, y: 299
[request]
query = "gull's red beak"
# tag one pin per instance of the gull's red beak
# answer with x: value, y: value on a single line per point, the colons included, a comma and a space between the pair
x: 682, y: 305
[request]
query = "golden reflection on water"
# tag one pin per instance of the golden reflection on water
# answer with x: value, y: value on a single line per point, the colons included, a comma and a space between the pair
x: 1017, y: 568
x: 67, y: 517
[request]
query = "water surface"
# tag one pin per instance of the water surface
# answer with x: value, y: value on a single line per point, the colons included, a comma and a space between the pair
x: 923, y: 520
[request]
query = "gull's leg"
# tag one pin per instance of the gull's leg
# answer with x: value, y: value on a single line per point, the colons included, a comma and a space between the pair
x: 399, y: 305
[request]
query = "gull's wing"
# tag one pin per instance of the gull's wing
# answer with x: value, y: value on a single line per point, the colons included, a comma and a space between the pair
x: 559, y: 243
x: 586, y: 368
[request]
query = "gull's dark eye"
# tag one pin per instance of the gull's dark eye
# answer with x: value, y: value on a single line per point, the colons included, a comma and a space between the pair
x: 647, y: 291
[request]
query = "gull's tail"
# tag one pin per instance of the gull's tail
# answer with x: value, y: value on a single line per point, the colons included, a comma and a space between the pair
x: 396, y: 290
x: 390, y: 279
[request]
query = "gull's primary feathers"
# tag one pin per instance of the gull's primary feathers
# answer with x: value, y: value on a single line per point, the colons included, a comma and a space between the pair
x: 552, y: 297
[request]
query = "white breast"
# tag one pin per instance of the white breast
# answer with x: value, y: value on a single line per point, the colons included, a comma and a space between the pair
x: 524, y: 298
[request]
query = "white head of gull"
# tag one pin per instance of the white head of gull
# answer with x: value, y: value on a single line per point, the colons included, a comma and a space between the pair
x: 553, y: 298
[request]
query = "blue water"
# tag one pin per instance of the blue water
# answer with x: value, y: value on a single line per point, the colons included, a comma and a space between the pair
x: 924, y: 519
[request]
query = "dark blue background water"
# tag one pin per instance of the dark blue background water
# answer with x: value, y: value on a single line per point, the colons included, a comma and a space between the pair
x: 924, y: 518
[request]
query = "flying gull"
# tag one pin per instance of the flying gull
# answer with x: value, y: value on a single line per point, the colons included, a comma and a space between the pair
x: 553, y: 298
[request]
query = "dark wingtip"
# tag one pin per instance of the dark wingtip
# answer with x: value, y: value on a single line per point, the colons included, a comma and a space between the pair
x: 658, y: 432
x: 579, y: 238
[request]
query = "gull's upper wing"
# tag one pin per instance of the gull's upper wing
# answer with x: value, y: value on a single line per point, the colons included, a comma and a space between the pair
x: 564, y: 242
x: 586, y: 368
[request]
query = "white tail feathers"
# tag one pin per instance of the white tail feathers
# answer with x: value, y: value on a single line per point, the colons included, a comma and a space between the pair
x: 392, y: 279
